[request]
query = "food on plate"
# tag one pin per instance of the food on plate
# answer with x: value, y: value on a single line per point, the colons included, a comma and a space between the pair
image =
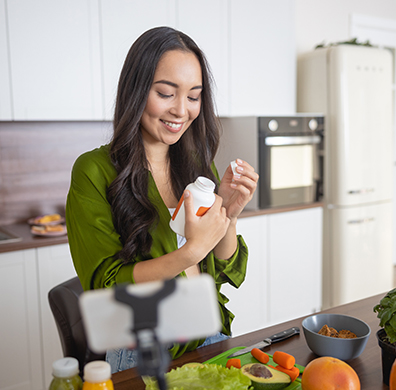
x: 233, y: 363
x: 328, y: 373
x: 205, y: 376
x: 47, y: 229
x: 284, y: 359
x: 293, y: 373
x: 331, y: 332
x: 48, y: 218
x: 264, y: 377
x: 261, y: 356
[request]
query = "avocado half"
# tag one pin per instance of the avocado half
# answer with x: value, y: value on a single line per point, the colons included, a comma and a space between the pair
x: 265, y: 378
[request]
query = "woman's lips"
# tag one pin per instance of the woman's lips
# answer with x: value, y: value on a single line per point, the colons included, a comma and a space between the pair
x: 173, y: 126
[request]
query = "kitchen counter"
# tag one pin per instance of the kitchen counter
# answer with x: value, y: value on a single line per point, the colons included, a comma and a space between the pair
x: 30, y: 241
x: 367, y: 365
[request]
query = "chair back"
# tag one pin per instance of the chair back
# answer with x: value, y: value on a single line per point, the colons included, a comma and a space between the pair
x: 63, y: 300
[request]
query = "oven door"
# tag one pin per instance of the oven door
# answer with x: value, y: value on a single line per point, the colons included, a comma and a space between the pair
x: 290, y: 170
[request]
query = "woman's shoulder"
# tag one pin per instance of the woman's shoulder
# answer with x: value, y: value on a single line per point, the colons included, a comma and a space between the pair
x: 95, y: 164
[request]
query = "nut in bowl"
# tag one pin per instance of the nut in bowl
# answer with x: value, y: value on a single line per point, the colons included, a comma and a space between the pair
x: 341, y: 347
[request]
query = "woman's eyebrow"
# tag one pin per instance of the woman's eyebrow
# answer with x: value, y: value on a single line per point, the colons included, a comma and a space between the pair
x: 174, y: 85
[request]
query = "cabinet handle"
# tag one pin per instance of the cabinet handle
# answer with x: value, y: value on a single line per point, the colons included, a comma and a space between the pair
x: 363, y: 220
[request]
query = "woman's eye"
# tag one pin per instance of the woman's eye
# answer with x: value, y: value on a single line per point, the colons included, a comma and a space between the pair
x: 194, y: 99
x: 164, y: 96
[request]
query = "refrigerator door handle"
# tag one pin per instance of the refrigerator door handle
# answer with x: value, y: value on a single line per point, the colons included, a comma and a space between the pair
x: 363, y: 220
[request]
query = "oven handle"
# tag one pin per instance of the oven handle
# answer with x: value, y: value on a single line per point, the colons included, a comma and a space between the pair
x: 292, y: 140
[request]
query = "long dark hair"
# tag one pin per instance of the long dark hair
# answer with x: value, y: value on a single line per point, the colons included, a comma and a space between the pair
x: 133, y: 214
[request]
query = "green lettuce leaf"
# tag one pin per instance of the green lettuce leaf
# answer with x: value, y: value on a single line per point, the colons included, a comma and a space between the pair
x: 204, y: 377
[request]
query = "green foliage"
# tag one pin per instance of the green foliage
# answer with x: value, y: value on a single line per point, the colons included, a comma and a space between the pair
x: 386, y: 312
x: 353, y: 41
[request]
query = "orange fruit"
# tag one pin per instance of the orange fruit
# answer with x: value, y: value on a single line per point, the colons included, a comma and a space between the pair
x: 328, y: 373
x: 392, y: 377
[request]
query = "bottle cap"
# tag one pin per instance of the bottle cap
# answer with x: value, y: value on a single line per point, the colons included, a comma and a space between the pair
x: 65, y: 368
x: 97, y: 371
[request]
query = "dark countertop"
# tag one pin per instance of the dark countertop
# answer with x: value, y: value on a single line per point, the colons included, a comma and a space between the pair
x: 30, y: 241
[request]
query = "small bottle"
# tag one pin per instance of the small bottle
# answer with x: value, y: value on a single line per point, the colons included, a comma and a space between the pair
x: 65, y: 372
x: 202, y: 191
x: 97, y: 376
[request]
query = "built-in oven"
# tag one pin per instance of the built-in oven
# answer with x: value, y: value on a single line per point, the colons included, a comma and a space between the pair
x: 286, y: 151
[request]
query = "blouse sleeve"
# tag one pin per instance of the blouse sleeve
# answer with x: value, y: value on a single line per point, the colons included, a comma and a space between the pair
x: 93, y: 241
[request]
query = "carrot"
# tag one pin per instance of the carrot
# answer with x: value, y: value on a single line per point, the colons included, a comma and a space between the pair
x: 284, y: 359
x: 233, y: 363
x: 293, y: 373
x: 261, y: 356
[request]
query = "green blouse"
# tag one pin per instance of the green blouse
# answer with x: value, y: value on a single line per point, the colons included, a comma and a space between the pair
x: 94, y: 242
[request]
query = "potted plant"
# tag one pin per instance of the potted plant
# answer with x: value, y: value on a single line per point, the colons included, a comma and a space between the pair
x: 386, y: 312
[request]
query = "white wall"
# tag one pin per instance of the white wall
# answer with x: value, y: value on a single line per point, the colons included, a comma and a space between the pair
x: 319, y: 21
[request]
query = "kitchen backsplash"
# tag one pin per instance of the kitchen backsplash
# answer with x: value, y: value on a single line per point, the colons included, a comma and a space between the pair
x: 35, y: 164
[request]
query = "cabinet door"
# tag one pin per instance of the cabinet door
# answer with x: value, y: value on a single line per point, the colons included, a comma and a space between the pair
x: 55, y: 59
x: 5, y: 90
x: 20, y: 342
x: 123, y: 21
x: 249, y: 302
x: 54, y: 267
x: 212, y: 38
x: 295, y: 264
x: 262, y: 57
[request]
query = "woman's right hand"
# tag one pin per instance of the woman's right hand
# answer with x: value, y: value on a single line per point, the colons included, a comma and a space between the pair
x: 204, y: 233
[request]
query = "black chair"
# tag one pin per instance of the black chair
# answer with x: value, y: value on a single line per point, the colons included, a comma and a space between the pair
x: 63, y: 300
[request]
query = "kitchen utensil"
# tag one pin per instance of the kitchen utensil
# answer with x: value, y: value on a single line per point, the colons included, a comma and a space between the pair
x: 268, y: 341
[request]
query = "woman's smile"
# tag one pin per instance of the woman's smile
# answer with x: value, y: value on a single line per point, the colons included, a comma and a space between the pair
x: 174, y: 127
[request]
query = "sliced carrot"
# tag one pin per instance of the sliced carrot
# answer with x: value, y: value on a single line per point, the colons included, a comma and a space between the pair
x: 261, y: 356
x: 293, y: 373
x: 233, y: 363
x: 284, y: 359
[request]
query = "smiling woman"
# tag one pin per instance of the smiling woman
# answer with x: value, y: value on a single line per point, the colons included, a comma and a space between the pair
x: 166, y: 134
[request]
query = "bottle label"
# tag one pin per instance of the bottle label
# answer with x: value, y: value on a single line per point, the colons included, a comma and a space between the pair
x: 202, y: 210
x: 178, y: 207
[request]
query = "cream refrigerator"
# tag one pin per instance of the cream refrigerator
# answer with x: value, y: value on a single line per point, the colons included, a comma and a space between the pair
x: 352, y: 86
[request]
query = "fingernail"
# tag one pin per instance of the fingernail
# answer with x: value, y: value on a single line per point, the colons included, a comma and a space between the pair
x: 233, y: 185
x: 186, y: 193
x: 237, y: 176
x: 239, y: 161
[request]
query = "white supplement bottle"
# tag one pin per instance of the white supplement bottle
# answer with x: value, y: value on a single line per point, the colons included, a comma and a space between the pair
x: 202, y: 191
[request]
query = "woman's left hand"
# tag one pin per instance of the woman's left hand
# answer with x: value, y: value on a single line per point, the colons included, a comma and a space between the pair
x: 237, y: 190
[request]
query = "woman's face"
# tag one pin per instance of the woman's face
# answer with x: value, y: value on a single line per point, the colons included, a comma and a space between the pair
x: 174, y: 99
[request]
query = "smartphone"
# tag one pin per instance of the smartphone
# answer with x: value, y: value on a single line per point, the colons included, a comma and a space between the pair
x: 190, y: 312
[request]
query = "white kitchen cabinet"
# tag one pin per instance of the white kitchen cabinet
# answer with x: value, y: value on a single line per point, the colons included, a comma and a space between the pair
x: 55, y: 59
x: 262, y: 57
x: 55, y: 266
x: 295, y: 264
x: 20, y: 342
x: 249, y: 301
x: 29, y: 338
x: 284, y: 273
x: 123, y: 21
x: 5, y: 81
x: 212, y: 38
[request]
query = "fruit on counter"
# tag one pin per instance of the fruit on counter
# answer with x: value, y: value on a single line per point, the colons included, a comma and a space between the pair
x: 261, y: 356
x: 328, y: 373
x: 205, y: 376
x: 284, y: 359
x: 264, y: 377
x: 233, y: 363
x: 392, y: 377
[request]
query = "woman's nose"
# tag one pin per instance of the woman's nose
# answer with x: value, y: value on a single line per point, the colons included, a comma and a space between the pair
x: 178, y: 108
